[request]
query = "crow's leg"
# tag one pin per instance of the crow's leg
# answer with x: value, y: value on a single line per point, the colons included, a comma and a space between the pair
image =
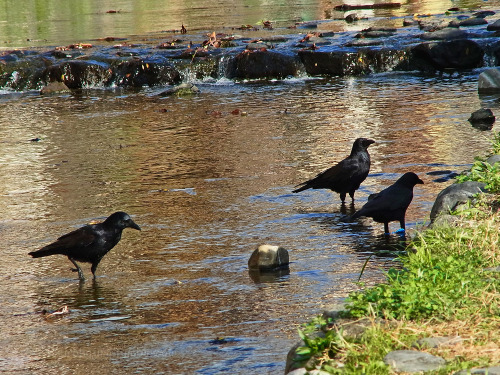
x: 351, y: 194
x: 78, y: 269
x: 402, y: 224
x: 386, y: 228
x: 342, y: 197
x: 94, y: 267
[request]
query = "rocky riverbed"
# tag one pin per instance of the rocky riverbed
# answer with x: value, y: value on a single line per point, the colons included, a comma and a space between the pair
x: 449, y: 42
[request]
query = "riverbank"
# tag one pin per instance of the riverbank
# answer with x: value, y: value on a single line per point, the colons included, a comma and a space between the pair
x: 442, y: 305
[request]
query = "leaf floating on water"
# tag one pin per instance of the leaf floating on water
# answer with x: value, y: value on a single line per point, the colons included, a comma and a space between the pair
x: 112, y: 11
x: 236, y: 112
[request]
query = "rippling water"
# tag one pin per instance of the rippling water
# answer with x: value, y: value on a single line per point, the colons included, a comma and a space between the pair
x: 207, y: 187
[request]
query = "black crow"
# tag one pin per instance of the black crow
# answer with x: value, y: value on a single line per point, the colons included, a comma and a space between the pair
x: 89, y: 243
x: 391, y: 203
x: 346, y: 176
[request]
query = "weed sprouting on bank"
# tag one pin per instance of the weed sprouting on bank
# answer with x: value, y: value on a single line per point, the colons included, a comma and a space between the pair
x: 448, y: 285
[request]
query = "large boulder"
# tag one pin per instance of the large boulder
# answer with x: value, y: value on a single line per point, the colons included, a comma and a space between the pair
x: 450, y: 55
x: 455, y: 195
x: 139, y: 73
x: 77, y: 74
x: 262, y: 64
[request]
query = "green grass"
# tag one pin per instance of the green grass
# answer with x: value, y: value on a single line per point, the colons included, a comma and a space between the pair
x: 442, y: 289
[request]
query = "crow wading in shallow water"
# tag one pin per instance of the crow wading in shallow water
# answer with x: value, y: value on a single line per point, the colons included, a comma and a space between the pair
x: 391, y: 203
x: 89, y: 243
x: 346, y: 176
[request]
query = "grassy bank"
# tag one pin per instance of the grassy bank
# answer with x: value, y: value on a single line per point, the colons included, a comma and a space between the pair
x: 445, y: 287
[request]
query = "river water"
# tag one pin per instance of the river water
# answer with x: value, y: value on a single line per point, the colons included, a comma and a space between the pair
x: 207, y: 186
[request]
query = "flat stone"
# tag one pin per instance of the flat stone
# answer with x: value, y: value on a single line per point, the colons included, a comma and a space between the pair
x: 480, y: 371
x: 413, y: 361
x: 434, y: 342
x: 444, y: 34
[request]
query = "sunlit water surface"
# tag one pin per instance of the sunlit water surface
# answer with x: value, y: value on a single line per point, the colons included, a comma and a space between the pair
x: 206, y: 186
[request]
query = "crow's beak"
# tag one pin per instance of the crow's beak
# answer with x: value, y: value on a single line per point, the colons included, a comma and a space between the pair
x: 134, y: 225
x: 420, y: 181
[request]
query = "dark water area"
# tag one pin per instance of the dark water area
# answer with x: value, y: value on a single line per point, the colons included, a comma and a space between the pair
x: 207, y: 186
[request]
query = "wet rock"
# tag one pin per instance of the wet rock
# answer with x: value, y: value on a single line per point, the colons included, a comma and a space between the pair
x: 54, y: 87
x: 483, y: 13
x: 77, y: 74
x: 376, y: 33
x: 494, y: 26
x: 351, y: 63
x: 435, y: 342
x: 482, y: 119
x: 262, y: 65
x: 413, y: 361
x: 454, y: 55
x: 350, y: 18
x: 444, y: 34
x: 473, y: 21
x: 480, y: 371
x: 489, y: 81
x: 268, y: 257
x: 453, y: 196
x: 184, y: 89
x: 431, y: 25
x: 345, y: 7
x: 139, y: 73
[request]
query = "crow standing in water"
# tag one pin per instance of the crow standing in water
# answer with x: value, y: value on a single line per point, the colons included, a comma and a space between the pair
x: 391, y: 203
x: 89, y: 243
x: 346, y: 176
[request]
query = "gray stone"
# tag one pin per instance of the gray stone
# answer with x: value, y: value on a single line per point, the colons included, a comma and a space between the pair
x: 480, y: 371
x: 489, y: 81
x: 454, y: 195
x: 413, y: 361
x: 434, y: 342
x: 268, y: 257
x: 493, y: 159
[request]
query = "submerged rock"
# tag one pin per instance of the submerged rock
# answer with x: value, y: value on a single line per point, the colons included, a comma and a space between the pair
x: 54, y: 87
x: 184, y: 89
x: 482, y: 119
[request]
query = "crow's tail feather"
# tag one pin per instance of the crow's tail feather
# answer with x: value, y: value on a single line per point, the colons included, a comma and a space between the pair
x: 43, y: 253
